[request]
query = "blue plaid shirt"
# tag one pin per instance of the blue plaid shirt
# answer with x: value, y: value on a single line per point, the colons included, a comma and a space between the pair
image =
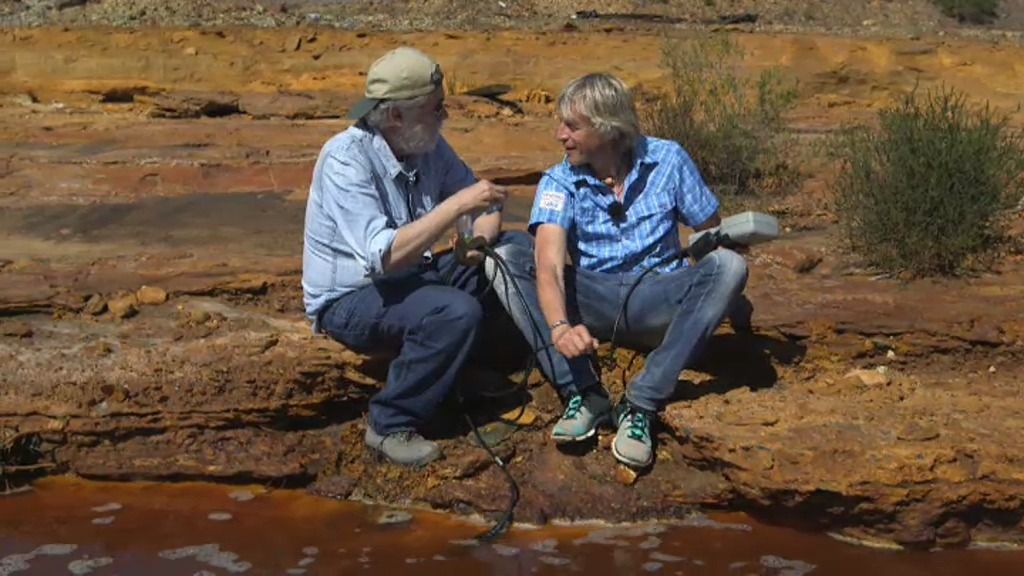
x: 359, y: 197
x: 662, y: 189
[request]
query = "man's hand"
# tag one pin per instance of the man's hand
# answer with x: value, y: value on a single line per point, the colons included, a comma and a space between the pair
x: 573, y: 341
x: 479, y: 197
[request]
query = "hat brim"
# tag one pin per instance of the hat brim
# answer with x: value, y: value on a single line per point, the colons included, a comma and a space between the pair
x: 362, y: 108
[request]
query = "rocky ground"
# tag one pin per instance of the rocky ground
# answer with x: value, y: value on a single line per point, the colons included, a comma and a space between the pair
x: 152, y: 185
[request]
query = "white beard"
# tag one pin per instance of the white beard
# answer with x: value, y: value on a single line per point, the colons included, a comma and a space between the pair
x: 419, y: 139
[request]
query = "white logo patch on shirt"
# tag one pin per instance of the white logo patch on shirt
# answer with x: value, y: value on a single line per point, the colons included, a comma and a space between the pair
x: 552, y: 200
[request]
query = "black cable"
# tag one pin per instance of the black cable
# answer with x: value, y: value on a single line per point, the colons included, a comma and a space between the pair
x: 505, y: 522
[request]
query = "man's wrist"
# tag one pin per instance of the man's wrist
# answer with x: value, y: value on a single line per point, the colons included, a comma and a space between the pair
x: 557, y: 323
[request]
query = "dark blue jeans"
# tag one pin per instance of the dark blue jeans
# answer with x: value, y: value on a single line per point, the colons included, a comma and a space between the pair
x: 430, y: 318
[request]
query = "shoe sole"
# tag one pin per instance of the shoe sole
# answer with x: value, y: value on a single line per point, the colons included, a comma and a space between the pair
x: 629, y: 462
x: 601, y: 421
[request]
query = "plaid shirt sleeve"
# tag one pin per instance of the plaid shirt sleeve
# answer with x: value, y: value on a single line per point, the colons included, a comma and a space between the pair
x: 553, y: 204
x: 695, y: 202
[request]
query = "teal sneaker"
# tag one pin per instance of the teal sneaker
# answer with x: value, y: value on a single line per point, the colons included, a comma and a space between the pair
x: 633, y: 445
x: 583, y: 414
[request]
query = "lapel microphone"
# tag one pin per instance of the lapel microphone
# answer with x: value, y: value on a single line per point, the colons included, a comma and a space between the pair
x: 617, y: 212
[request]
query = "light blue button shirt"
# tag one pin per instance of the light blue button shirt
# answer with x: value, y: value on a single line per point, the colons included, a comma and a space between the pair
x: 662, y: 189
x: 359, y: 197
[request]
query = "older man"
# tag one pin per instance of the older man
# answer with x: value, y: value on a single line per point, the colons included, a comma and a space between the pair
x: 614, y: 204
x: 383, y: 192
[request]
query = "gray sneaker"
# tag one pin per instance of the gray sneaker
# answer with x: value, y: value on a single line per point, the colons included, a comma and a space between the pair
x: 633, y: 445
x: 583, y: 414
x: 406, y: 447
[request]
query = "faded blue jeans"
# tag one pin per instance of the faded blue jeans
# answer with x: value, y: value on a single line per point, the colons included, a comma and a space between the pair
x: 671, y: 314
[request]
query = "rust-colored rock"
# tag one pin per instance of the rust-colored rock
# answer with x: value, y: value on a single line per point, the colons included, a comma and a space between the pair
x: 123, y: 306
x: 151, y: 295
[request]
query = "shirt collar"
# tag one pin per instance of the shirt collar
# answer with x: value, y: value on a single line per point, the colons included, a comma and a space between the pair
x: 583, y: 176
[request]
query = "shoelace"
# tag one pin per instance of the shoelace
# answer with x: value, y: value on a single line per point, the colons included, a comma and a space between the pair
x: 637, y: 425
x: 574, y: 407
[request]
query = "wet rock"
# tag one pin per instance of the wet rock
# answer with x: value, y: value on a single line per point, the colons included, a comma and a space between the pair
x: 124, y: 306
x: 394, y: 517
x: 151, y: 295
x: 95, y: 305
x: 336, y: 486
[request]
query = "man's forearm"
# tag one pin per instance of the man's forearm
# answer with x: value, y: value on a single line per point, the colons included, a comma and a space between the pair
x: 551, y: 295
x: 415, y: 237
x: 488, y: 226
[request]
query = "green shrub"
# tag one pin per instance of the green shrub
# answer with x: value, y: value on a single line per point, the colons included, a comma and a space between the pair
x: 923, y: 193
x: 972, y: 11
x: 732, y: 127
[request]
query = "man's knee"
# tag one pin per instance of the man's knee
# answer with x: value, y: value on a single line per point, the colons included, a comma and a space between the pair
x: 454, y: 311
x: 516, y: 250
x: 730, y: 268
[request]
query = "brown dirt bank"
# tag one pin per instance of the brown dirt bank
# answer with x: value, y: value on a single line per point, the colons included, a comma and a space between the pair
x: 179, y: 159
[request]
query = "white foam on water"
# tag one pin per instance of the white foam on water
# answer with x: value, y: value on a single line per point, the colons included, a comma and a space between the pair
x: 651, y: 543
x: 661, y: 557
x: 108, y: 507
x: 554, y: 560
x: 219, y: 516
x: 652, y: 566
x: 15, y: 563
x: 210, y: 554
x: 504, y: 550
x: 295, y: 571
x: 105, y: 520
x: 55, y: 549
x: 548, y: 545
x: 241, y: 496
x: 313, y: 550
x: 87, y: 565
x: 439, y: 557
x: 306, y: 561
x: 787, y: 567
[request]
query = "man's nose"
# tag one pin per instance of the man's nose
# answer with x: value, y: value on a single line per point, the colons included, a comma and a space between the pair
x: 562, y: 133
